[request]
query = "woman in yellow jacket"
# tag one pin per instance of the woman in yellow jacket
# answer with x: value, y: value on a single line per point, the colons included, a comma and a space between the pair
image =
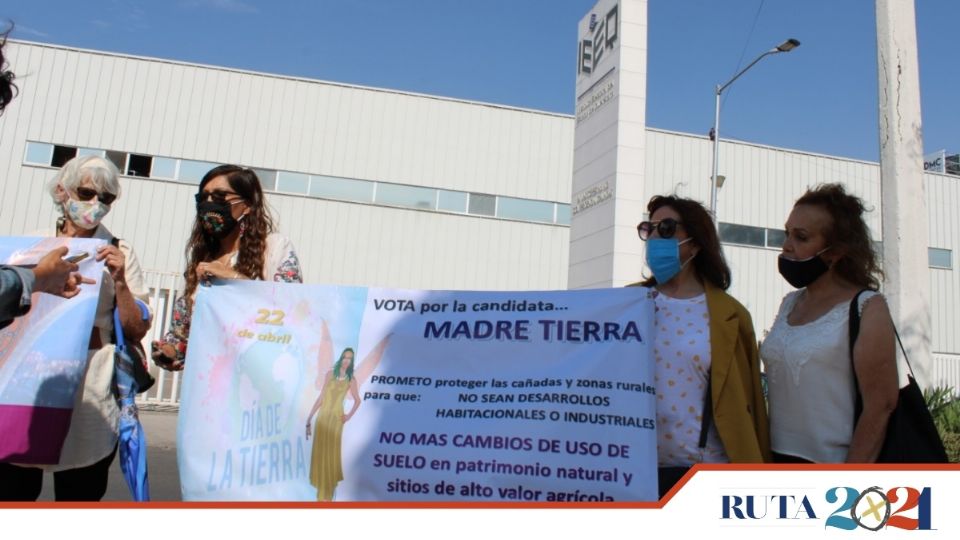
x: 710, y: 405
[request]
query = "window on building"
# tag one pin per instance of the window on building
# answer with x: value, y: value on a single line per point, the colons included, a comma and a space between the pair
x: 742, y: 234
x: 410, y: 196
x: 38, y: 153
x: 164, y: 168
x: 192, y: 172
x: 62, y: 154
x: 525, y: 209
x: 775, y: 238
x: 139, y: 165
x: 452, y: 201
x: 289, y: 182
x: 268, y: 178
x: 91, y: 152
x: 344, y: 189
x: 953, y: 164
x: 117, y: 158
x: 336, y: 188
x: 482, y: 205
x: 940, y: 258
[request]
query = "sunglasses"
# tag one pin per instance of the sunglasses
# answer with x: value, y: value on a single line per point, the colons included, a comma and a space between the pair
x: 87, y: 194
x: 218, y: 196
x: 666, y: 228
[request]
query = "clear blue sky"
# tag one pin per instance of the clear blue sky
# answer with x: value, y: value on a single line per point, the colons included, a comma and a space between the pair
x: 821, y: 97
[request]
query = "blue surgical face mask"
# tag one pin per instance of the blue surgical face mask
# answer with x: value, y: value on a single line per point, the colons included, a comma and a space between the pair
x: 663, y: 258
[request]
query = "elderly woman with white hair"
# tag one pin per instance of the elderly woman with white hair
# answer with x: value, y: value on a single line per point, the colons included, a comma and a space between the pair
x: 83, y: 192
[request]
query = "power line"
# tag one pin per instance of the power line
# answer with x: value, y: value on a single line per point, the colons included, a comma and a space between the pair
x: 746, y: 44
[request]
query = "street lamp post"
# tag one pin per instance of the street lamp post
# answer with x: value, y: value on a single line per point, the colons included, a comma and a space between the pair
x: 786, y: 46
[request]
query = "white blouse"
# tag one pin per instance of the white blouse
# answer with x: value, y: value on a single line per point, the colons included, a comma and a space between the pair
x: 811, y: 383
x: 681, y: 351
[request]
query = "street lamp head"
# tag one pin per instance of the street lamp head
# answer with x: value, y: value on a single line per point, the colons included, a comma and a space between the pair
x: 716, y: 179
x: 788, y: 45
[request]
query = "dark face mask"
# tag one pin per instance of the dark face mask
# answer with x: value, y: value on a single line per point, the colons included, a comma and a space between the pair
x: 802, y: 273
x: 216, y: 218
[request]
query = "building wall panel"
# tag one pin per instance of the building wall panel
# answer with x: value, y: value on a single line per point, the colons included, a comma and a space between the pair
x: 162, y: 108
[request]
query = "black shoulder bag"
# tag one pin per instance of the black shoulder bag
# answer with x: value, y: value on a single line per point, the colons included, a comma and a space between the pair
x: 911, y: 436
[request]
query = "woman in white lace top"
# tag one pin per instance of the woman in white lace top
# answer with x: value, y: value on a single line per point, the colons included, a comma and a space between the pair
x: 813, y: 384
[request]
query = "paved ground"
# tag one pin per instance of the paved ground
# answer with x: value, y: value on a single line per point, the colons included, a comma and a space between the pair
x: 161, y: 430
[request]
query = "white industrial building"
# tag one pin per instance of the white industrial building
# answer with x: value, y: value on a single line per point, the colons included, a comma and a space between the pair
x: 392, y: 189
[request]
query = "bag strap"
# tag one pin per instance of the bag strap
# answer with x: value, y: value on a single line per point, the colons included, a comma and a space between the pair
x: 144, y: 310
x: 706, y: 417
x: 855, y: 331
x: 854, y: 328
x: 904, y: 351
x: 118, y: 330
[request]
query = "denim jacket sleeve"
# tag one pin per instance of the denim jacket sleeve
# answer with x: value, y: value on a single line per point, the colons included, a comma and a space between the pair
x: 16, y: 286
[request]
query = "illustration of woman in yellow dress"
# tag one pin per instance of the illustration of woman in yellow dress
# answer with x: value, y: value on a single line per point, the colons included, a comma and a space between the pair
x: 326, y: 469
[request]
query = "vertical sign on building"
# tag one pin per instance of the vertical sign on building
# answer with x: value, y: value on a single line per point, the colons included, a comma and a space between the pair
x: 935, y: 162
x: 608, y: 198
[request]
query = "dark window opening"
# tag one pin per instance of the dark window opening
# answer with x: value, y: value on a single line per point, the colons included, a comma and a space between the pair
x: 62, y: 154
x: 139, y: 165
x: 953, y: 164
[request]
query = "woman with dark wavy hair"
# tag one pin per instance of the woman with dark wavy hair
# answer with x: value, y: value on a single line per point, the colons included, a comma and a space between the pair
x: 7, y: 89
x: 710, y: 406
x: 827, y: 255
x: 232, y: 238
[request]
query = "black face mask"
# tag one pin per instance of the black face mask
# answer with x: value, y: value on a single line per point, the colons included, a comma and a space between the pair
x: 802, y: 273
x: 216, y: 218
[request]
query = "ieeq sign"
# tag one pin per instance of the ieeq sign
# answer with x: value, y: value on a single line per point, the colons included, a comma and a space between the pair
x: 602, y: 34
x: 608, y: 144
x: 599, y: 38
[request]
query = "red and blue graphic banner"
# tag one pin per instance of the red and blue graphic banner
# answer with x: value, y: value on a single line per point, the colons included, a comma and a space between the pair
x: 43, y: 356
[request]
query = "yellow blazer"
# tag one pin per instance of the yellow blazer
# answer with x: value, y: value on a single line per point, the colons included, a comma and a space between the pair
x: 739, y: 409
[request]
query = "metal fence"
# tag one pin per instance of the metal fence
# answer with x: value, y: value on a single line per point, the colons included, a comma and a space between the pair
x: 164, y: 289
x: 945, y: 371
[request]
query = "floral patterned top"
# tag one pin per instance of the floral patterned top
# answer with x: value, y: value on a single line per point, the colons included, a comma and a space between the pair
x: 280, y: 257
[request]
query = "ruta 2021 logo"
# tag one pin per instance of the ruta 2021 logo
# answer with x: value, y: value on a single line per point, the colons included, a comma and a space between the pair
x: 845, y: 508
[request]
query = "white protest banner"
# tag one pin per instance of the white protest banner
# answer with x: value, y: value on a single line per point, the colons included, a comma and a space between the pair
x: 785, y: 502
x: 299, y: 392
